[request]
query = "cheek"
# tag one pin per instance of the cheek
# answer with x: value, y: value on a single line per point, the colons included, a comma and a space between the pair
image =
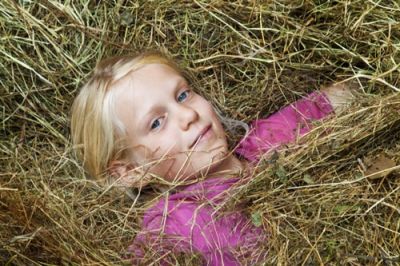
x: 173, y: 166
x: 156, y: 160
x: 210, y: 112
x: 217, y: 122
x: 165, y: 150
x: 208, y: 107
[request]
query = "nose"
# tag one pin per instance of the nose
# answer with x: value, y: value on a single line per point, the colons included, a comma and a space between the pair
x: 187, y: 116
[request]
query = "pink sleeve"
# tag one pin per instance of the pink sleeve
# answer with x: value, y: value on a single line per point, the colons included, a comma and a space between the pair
x: 187, y: 229
x: 284, y: 126
x: 154, y: 245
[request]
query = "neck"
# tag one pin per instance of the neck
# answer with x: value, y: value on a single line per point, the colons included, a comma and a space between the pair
x: 229, y: 166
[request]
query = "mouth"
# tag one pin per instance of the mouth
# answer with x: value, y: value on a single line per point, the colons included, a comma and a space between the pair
x: 199, y: 137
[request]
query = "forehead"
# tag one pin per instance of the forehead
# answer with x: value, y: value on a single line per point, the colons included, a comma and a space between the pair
x: 150, y: 75
x: 139, y: 91
x: 147, y: 79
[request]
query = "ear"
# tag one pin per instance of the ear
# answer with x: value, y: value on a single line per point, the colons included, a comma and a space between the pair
x: 126, y: 175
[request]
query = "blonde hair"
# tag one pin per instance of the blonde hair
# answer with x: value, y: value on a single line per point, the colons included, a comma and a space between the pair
x: 94, y: 127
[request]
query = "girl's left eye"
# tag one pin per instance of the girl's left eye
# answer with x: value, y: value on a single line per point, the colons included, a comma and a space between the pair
x: 183, y: 96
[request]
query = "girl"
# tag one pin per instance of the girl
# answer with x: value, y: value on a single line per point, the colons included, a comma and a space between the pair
x: 138, y: 120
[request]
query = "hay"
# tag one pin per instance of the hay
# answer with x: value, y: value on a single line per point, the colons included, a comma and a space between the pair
x: 318, y: 198
x: 251, y: 58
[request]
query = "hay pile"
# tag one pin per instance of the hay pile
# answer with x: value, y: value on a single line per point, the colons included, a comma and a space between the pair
x: 321, y: 200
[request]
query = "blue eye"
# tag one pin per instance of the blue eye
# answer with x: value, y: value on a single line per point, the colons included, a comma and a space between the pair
x: 155, y: 124
x: 183, y: 96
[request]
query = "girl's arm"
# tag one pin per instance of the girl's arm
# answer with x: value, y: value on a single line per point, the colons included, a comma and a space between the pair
x: 174, y: 235
x: 292, y: 121
x: 339, y: 95
x: 187, y: 223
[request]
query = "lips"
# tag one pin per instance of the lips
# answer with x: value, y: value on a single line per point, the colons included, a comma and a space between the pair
x: 201, y: 134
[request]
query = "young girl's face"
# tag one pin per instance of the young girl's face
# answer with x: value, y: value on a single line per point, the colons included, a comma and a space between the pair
x: 168, y: 124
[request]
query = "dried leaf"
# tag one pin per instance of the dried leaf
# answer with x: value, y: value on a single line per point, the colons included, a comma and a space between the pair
x: 380, y: 167
x: 307, y: 178
x: 256, y: 219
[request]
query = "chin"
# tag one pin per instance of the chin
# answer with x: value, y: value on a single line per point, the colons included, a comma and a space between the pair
x: 217, y: 160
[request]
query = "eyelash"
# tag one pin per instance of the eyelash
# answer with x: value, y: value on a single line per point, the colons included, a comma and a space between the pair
x: 187, y: 91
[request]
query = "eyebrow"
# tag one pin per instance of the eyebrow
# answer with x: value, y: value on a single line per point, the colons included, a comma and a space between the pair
x: 155, y: 108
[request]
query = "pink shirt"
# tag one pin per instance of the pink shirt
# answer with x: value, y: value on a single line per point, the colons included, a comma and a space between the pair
x: 188, y: 221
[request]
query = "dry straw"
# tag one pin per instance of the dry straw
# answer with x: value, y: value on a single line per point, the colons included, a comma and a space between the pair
x: 318, y: 199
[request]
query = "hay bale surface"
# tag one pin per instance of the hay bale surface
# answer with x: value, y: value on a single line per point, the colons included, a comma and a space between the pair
x: 330, y: 199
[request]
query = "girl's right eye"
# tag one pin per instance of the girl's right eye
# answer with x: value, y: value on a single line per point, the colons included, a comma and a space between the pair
x: 156, y: 124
